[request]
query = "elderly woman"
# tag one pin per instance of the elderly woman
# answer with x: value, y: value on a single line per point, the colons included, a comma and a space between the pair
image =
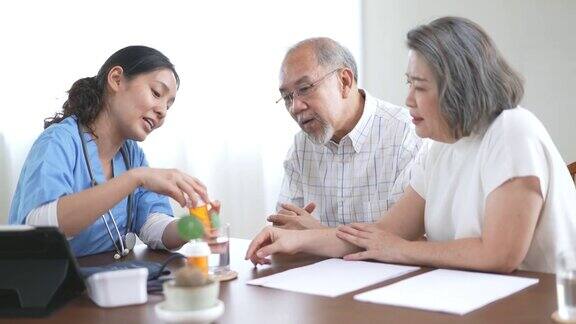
x: 491, y: 193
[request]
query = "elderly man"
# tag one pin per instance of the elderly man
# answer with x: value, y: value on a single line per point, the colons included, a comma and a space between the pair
x: 352, y: 160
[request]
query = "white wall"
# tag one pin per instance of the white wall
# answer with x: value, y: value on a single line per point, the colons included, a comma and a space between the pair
x: 41, y: 57
x: 224, y: 127
x: 536, y: 37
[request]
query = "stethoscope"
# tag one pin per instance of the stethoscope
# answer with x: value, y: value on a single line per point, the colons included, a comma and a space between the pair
x: 127, y: 242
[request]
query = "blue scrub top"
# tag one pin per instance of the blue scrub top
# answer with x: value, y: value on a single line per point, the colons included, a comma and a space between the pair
x: 56, y: 167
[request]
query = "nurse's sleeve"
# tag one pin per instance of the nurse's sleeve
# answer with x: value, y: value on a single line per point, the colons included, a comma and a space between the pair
x: 152, y: 231
x: 47, y: 174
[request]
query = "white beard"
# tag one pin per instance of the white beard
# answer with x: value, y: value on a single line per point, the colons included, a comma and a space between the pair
x: 326, y: 134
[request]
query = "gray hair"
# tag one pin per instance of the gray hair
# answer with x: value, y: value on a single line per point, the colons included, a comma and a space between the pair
x: 329, y: 53
x: 475, y: 83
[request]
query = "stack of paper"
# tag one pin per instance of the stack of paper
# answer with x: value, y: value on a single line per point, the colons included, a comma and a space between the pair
x: 450, y: 291
x: 332, y: 277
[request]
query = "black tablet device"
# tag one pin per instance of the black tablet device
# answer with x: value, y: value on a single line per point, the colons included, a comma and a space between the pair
x: 38, y: 272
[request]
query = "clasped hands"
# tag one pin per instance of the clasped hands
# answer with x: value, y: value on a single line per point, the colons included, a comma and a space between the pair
x: 293, y: 217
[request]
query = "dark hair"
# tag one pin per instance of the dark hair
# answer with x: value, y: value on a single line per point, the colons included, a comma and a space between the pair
x: 86, y: 95
x: 475, y: 83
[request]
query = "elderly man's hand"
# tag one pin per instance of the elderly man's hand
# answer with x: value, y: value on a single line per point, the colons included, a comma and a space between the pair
x: 296, y: 218
x: 270, y: 241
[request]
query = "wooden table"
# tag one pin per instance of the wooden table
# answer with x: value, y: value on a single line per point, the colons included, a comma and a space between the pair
x: 250, y: 304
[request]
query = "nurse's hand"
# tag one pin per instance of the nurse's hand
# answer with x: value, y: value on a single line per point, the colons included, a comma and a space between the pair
x: 174, y: 183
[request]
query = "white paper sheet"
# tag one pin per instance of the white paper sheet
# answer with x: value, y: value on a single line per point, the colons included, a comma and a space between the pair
x: 332, y: 277
x: 450, y: 291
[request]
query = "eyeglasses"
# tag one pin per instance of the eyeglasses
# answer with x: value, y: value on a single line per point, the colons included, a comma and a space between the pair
x: 303, y: 91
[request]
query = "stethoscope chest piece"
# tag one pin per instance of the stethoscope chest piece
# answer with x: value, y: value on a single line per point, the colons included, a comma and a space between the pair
x: 130, y: 240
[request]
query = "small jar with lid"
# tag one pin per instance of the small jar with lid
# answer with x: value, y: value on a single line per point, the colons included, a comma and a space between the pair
x: 197, y: 253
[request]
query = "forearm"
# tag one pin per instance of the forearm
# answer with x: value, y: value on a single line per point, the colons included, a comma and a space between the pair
x: 512, y: 212
x: 469, y: 253
x: 325, y: 243
x: 78, y: 211
x: 406, y: 217
x: 170, y: 238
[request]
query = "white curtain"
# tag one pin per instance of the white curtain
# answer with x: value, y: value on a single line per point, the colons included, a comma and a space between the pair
x: 224, y: 127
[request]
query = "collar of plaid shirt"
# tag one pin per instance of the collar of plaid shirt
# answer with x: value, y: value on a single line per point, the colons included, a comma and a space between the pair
x: 359, y: 133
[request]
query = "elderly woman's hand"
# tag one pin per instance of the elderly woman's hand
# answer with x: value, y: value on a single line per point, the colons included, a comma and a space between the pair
x: 378, y: 244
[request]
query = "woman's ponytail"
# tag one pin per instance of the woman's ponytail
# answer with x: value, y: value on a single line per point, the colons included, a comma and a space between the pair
x: 84, y: 101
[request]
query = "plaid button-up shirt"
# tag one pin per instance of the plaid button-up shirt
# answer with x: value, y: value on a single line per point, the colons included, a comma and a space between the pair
x: 358, y: 179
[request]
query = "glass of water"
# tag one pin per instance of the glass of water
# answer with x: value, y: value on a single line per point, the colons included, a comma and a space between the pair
x: 219, y: 259
x: 566, y: 285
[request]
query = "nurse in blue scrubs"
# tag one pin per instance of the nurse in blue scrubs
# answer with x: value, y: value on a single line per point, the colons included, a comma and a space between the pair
x: 99, y: 187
